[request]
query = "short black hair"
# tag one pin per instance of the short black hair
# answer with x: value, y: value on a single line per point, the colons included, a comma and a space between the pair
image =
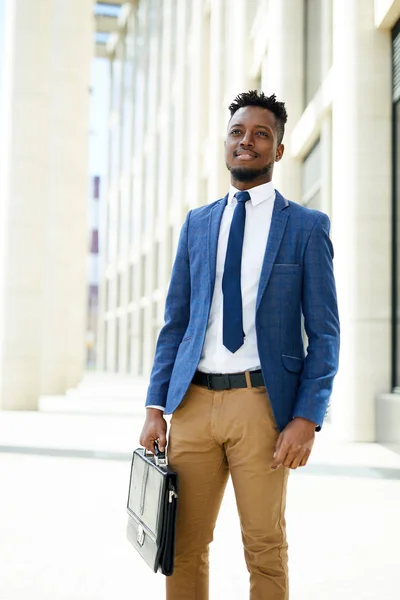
x: 255, y: 98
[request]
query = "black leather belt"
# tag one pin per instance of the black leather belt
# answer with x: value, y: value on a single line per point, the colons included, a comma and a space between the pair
x: 225, y: 381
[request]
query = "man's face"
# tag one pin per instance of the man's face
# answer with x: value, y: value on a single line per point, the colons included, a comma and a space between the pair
x: 251, y: 146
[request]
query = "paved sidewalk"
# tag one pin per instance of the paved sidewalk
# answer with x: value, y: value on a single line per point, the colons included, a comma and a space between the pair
x: 64, y: 475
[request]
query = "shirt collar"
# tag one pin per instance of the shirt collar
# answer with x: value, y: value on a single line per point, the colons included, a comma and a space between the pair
x: 258, y: 194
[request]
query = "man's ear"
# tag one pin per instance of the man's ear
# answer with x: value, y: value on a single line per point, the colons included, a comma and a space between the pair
x: 279, y: 152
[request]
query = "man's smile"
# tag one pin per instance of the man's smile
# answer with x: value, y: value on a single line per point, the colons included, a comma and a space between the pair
x: 245, y: 155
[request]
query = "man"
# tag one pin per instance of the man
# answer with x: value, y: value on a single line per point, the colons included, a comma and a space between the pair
x: 230, y: 363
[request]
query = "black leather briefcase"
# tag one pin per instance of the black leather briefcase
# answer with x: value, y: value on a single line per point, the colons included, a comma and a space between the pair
x: 152, y: 507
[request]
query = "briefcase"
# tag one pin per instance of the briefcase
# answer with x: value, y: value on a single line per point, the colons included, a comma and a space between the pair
x: 152, y: 508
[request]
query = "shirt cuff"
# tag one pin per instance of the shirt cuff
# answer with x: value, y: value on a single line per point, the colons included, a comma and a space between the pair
x: 156, y: 406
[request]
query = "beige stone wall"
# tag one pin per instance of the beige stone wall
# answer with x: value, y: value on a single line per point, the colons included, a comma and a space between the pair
x: 43, y: 172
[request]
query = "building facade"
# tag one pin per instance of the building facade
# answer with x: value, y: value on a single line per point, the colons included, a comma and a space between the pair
x: 175, y: 66
x: 93, y: 273
x: 45, y: 58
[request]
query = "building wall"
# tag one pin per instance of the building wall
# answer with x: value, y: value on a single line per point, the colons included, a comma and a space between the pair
x: 43, y: 179
x: 2, y: 28
x: 93, y: 271
x: 174, y: 72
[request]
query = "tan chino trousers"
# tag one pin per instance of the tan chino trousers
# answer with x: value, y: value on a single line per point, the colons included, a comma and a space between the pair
x: 213, y: 434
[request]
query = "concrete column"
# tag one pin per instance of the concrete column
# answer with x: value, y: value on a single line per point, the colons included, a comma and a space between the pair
x: 65, y: 286
x: 179, y: 108
x: 361, y: 204
x: 326, y: 166
x: 23, y: 199
x: 230, y: 59
x: 326, y: 124
x: 151, y: 183
x: 218, y: 181
x: 127, y: 132
x: 237, y: 51
x: 164, y: 192
x: 102, y: 344
x: 138, y: 167
x: 137, y: 350
x: 122, y: 184
x: 282, y: 74
x: 198, y: 63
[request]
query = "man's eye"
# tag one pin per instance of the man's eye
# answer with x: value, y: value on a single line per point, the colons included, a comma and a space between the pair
x: 264, y: 133
x: 235, y: 132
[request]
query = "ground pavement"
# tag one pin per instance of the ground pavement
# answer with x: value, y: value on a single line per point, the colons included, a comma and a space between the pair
x: 64, y: 474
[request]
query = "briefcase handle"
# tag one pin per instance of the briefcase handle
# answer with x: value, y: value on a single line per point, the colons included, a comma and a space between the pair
x: 160, y: 458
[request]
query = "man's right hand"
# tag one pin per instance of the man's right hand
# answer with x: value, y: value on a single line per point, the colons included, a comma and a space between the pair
x: 154, y: 428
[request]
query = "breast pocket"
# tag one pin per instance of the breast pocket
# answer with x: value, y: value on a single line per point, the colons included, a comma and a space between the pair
x: 284, y: 287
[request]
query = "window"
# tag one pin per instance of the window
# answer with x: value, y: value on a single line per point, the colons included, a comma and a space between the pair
x: 157, y: 256
x: 311, y: 177
x: 119, y: 289
x: 106, y: 333
x: 396, y: 211
x: 317, y: 45
x: 116, y: 80
x: 107, y: 298
x: 312, y: 48
x: 142, y: 291
x: 141, y: 342
x: 116, y: 355
x: 130, y: 284
x: 127, y: 101
x: 155, y: 327
x: 129, y: 342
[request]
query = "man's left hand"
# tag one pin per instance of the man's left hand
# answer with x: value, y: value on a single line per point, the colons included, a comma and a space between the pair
x: 294, y: 444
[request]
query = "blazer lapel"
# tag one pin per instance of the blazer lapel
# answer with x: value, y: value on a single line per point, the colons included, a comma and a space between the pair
x: 278, y: 225
x: 213, y: 232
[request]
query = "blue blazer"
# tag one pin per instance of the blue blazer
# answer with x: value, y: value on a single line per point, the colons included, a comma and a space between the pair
x: 296, y: 279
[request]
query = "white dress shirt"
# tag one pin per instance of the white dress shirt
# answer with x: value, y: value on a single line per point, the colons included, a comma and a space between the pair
x: 215, y: 358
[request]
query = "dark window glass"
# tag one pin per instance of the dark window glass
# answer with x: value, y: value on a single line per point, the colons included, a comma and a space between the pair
x: 312, y: 48
x: 94, y: 242
x: 396, y: 209
x: 311, y: 177
x: 116, y: 356
x: 396, y: 257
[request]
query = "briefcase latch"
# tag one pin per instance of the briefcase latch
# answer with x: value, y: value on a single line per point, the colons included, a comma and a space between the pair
x: 160, y: 458
x: 140, y: 536
x: 161, y: 461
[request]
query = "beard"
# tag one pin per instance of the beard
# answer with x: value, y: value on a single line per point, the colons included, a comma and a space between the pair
x: 244, y: 174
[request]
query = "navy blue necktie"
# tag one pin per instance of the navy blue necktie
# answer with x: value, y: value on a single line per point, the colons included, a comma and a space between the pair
x: 232, y: 333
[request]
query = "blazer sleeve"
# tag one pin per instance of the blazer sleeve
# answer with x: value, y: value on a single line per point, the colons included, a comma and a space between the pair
x: 321, y: 322
x: 176, y: 317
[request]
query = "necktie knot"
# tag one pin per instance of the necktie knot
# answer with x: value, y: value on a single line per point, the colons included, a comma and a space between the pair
x: 242, y: 196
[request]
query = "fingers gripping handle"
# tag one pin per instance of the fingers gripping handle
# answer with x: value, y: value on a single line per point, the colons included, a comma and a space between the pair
x: 160, y: 458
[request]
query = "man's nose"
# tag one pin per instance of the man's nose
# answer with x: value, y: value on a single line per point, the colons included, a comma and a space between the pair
x: 247, y: 139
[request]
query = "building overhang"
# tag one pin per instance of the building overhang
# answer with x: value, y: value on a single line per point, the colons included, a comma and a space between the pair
x: 106, y: 15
